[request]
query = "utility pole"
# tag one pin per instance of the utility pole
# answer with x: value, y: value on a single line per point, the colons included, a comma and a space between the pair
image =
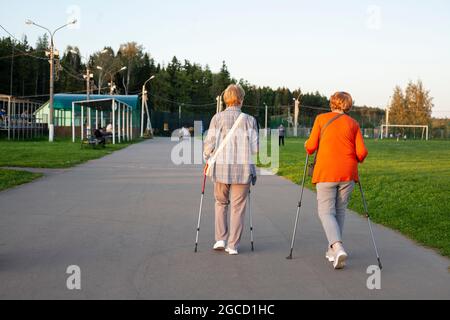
x: 12, y: 67
x: 387, y: 123
x: 51, y: 128
x: 297, y: 113
x: 179, y: 116
x: 267, y: 119
x: 219, y: 104
x: 387, y: 119
x: 88, y: 76
x: 111, y: 87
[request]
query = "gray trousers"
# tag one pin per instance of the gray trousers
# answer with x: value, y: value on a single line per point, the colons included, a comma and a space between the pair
x: 332, y: 199
x: 234, y: 196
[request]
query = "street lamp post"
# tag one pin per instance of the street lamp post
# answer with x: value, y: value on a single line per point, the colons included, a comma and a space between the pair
x: 88, y: 76
x: 51, y: 128
x: 100, y: 76
x: 145, y: 109
x: 111, y: 76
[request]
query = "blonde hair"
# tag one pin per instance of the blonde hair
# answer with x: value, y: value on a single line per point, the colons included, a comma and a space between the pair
x: 234, y: 95
x: 342, y: 101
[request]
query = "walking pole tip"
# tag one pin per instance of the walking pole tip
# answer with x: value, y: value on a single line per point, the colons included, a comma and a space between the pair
x: 289, y: 257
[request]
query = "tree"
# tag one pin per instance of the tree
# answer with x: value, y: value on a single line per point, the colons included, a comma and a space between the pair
x: 220, y: 81
x: 70, y: 75
x: 419, y: 103
x: 398, y: 111
x: 130, y: 54
x: 413, y: 106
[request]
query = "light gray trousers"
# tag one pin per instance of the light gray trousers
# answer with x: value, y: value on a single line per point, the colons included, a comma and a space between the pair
x: 332, y: 199
x: 237, y: 200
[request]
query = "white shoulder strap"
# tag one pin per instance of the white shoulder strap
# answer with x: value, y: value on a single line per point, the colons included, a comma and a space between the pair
x: 228, y: 137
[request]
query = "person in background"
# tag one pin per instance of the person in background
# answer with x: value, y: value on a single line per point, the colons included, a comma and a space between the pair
x: 98, y: 133
x: 282, y: 131
x: 336, y: 171
x: 2, y: 114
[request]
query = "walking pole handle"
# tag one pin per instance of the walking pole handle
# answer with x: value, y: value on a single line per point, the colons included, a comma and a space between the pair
x: 204, y: 179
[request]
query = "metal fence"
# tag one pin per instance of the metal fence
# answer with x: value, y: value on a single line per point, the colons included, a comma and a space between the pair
x: 18, y: 120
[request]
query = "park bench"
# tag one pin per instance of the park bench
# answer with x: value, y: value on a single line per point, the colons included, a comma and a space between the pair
x: 92, y: 141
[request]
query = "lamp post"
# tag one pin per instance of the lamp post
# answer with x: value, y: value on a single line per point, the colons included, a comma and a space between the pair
x: 100, y: 77
x: 111, y: 75
x: 145, y: 108
x: 88, y: 76
x: 51, y: 128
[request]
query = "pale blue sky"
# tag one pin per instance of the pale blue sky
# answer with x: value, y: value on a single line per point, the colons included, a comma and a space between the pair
x: 364, y: 47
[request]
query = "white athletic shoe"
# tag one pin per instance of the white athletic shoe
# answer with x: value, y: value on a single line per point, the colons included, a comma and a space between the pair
x: 340, y: 257
x: 329, y: 255
x: 220, y: 245
x: 231, y: 252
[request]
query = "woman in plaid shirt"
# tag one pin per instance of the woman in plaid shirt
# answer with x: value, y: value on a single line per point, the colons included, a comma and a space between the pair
x: 233, y: 170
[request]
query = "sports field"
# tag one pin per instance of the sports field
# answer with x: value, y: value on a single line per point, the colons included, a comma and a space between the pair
x: 407, y: 186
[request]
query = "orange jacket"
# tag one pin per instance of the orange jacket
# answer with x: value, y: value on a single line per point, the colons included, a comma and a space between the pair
x: 341, y: 148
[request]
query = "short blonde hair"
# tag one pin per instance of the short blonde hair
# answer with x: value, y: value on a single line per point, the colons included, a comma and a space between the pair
x: 342, y: 101
x: 234, y: 95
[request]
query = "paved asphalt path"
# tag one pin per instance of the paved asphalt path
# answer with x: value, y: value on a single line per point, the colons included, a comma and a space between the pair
x: 128, y: 221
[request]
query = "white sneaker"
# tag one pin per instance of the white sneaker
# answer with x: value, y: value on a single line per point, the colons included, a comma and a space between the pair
x: 231, y: 252
x: 220, y: 245
x: 340, y: 257
x: 329, y: 255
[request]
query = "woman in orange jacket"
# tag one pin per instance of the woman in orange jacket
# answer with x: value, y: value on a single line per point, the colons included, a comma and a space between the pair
x: 336, y: 170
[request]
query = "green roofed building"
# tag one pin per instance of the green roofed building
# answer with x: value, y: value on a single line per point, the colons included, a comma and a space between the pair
x: 96, y: 113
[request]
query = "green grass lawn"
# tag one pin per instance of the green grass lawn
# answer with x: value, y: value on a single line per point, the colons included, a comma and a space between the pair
x: 407, y: 186
x: 42, y: 154
x: 11, y: 178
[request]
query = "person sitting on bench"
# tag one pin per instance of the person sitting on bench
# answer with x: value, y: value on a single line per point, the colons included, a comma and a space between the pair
x: 2, y: 114
x: 98, y: 133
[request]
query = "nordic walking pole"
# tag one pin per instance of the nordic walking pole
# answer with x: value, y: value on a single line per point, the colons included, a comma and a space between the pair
x: 201, y: 207
x: 370, y: 224
x: 251, y: 218
x: 299, y: 207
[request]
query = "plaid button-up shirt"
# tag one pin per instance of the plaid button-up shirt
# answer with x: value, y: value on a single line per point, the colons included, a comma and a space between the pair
x: 234, y: 165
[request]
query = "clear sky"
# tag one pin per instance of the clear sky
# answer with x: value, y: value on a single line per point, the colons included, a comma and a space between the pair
x: 363, y: 47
